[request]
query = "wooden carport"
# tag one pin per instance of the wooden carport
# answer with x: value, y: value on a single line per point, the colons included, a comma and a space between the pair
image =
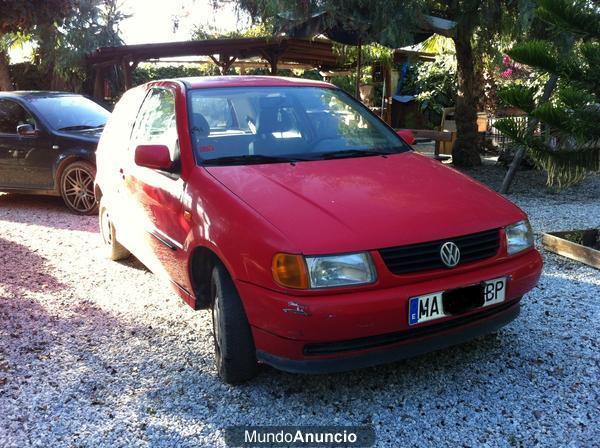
x: 223, y: 52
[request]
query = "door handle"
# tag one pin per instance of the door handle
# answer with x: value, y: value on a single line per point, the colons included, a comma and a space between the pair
x: 122, y: 173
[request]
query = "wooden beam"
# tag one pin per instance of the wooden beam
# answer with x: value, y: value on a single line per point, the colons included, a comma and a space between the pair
x: 569, y: 249
x: 288, y: 48
x: 438, y: 136
x: 99, y: 83
x: 227, y: 64
x: 224, y: 63
x: 127, y: 79
x: 272, y: 57
x: 273, y: 64
x: 215, y: 60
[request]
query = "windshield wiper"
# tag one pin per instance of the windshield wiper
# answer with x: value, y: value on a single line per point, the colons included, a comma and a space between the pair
x: 248, y: 159
x: 352, y: 153
x: 81, y: 127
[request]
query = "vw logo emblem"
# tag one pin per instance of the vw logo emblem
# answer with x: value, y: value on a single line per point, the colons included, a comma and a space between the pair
x: 450, y: 254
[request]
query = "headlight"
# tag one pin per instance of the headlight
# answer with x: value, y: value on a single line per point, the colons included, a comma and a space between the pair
x: 340, y: 270
x: 519, y: 237
x: 296, y: 271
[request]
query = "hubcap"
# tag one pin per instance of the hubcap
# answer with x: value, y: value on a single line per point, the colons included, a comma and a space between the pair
x: 106, y: 226
x: 78, y: 188
x: 218, y: 334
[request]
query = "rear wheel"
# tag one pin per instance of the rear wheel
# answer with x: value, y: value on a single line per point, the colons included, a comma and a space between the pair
x: 77, y: 188
x: 112, y: 248
x: 235, y: 354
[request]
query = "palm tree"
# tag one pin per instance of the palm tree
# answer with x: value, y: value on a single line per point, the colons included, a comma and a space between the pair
x: 562, y: 135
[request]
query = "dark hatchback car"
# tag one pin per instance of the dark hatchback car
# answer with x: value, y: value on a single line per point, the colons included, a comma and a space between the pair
x: 47, y: 145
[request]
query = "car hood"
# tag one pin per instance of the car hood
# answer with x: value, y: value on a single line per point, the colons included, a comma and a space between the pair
x: 91, y: 136
x: 363, y: 203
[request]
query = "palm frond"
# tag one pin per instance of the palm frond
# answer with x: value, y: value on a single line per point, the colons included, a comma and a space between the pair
x: 554, y: 116
x: 567, y: 141
x: 514, y: 129
x: 536, y: 53
x: 565, y: 167
x: 518, y: 96
x: 574, y: 98
x: 577, y: 16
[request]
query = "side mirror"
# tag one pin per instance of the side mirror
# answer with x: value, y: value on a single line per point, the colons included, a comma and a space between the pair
x: 26, y: 130
x: 406, y: 135
x: 156, y: 157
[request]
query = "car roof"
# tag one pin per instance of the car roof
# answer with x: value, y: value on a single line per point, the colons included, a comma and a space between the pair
x: 206, y: 82
x: 35, y: 94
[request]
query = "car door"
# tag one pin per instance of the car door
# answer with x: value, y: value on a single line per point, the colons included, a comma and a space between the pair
x: 155, y: 197
x: 26, y: 161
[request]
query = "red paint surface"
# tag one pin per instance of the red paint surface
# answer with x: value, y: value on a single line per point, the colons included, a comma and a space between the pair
x: 153, y: 156
x: 246, y: 214
x: 406, y: 135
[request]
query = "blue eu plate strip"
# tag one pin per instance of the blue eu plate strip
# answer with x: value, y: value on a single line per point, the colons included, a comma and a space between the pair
x: 413, y: 311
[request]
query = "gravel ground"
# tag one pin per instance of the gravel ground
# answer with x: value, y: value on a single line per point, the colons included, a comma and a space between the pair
x: 97, y: 353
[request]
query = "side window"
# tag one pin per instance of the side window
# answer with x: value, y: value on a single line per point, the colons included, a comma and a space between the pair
x: 156, y: 119
x: 12, y: 115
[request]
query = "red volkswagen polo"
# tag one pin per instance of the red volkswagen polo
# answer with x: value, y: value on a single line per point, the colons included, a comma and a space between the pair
x: 317, y: 238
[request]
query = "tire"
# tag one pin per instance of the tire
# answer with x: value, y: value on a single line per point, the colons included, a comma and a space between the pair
x: 112, y: 249
x: 235, y: 354
x: 77, y: 188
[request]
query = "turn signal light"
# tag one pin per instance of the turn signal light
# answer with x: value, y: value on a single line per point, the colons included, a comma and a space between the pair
x: 290, y: 271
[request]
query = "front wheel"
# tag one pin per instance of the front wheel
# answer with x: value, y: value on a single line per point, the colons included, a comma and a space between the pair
x: 77, y: 188
x: 235, y: 354
x: 111, y: 246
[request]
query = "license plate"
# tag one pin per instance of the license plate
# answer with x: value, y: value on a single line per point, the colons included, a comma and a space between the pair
x: 431, y: 306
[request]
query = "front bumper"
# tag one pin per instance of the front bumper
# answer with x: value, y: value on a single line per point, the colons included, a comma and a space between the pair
x: 412, y: 343
x: 367, y: 326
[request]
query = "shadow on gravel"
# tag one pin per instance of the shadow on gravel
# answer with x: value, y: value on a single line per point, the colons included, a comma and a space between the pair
x: 48, y: 211
x: 134, y: 263
x: 532, y: 183
x: 24, y: 271
x: 54, y: 369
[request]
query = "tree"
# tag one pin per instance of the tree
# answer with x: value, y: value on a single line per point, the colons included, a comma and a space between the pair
x: 396, y: 23
x: 62, y: 46
x: 6, y: 41
x: 481, y: 25
x: 392, y: 24
x: 20, y: 17
x: 562, y: 136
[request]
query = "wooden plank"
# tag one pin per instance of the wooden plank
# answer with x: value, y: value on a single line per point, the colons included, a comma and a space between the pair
x: 568, y: 249
x: 438, y: 136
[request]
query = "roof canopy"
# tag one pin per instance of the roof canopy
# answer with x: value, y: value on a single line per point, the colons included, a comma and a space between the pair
x: 314, y: 52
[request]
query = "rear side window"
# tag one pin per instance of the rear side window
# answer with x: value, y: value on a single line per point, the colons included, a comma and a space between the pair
x: 120, y: 124
x: 219, y: 112
x: 12, y: 114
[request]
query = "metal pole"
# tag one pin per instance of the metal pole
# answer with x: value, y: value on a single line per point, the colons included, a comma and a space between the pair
x: 358, y: 69
x: 383, y: 97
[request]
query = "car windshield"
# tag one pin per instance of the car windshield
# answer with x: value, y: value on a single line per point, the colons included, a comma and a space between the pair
x: 71, y: 112
x: 245, y: 125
